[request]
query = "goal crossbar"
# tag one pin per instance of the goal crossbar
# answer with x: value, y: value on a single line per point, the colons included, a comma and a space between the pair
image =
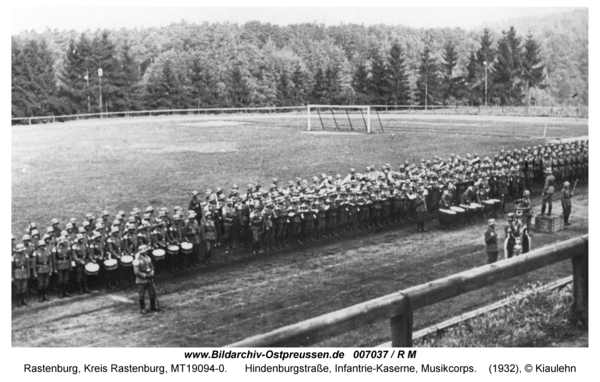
x: 361, y: 108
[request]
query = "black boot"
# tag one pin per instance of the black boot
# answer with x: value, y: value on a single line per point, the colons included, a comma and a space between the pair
x: 65, y: 291
x: 41, y: 294
x: 45, y: 295
x: 85, y: 288
x: 19, y: 303
x: 143, y: 307
x: 549, y: 209
x: 61, y: 292
x: 153, y: 306
x: 423, y: 227
x: 23, y: 301
x: 80, y: 289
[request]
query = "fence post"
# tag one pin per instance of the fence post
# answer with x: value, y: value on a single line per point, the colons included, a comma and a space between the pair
x: 580, y: 288
x: 402, y: 327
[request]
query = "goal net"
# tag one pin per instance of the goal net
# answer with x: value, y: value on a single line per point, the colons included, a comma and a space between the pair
x: 340, y: 118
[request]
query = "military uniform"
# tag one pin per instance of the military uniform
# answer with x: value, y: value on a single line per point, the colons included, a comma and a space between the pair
x: 547, y: 193
x: 20, y: 273
x: 491, y: 245
x: 43, y: 266
x: 144, y: 276
x: 63, y: 259
x: 565, y: 200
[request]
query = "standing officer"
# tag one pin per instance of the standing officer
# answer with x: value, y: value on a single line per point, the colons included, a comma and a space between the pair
x: 257, y: 226
x: 144, y: 278
x: 80, y: 253
x: 491, y: 242
x: 208, y: 234
x: 565, y: 201
x: 548, y: 191
x: 421, y: 211
x: 62, y: 258
x: 511, y: 230
x: 43, y: 266
x: 524, y: 204
x: 229, y: 225
x: 20, y: 273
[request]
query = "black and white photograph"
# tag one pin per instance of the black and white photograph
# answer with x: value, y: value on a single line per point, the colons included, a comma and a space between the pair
x: 330, y: 177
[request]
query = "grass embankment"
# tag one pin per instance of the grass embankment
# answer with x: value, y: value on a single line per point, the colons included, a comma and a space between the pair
x: 541, y: 319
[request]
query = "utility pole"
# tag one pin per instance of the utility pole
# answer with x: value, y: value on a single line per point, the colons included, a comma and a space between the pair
x: 485, y: 64
x: 87, y: 80
x: 100, y: 84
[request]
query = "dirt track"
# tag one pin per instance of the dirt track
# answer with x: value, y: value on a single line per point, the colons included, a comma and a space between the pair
x: 249, y: 295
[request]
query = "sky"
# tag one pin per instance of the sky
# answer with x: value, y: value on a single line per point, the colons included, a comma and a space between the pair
x: 82, y: 18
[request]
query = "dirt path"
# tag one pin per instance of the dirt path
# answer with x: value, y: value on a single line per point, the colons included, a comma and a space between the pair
x: 250, y: 295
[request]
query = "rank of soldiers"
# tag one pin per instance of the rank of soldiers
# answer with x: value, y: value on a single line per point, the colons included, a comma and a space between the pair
x: 102, y: 250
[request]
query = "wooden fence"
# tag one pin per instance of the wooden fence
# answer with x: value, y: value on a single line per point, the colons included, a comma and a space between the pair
x: 398, y: 307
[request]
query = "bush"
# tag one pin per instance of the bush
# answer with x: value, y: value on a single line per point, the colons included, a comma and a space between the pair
x: 537, y: 320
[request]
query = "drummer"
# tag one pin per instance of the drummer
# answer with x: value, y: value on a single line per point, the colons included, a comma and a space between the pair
x: 446, y: 200
x: 115, y: 249
x: 81, y: 255
x: 159, y: 239
x: 470, y: 196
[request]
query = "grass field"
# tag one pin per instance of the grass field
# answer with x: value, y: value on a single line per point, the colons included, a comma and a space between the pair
x: 67, y: 170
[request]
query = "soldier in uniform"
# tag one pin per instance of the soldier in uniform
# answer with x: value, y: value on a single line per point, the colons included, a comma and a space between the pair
x: 176, y: 237
x: 192, y: 235
x: 257, y: 227
x: 43, y: 266
x: 491, y: 242
x: 269, y: 234
x: 63, y: 258
x: 421, y: 209
x: 208, y: 234
x: 115, y: 249
x: 548, y: 192
x: 80, y: 252
x: 281, y: 223
x: 524, y: 204
x: 229, y: 225
x: 144, y: 278
x: 20, y: 273
x: 511, y: 231
x: 565, y: 201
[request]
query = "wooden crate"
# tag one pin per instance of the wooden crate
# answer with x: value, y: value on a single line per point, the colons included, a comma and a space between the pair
x: 549, y: 224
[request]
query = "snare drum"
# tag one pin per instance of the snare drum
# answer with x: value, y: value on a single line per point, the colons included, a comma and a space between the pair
x: 479, y: 209
x: 173, y: 249
x: 158, y: 254
x: 496, y: 203
x: 186, y: 248
x: 126, y: 260
x: 457, y: 210
x: 110, y: 264
x: 92, y: 269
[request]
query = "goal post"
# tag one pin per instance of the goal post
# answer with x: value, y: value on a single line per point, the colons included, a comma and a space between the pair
x: 339, y: 117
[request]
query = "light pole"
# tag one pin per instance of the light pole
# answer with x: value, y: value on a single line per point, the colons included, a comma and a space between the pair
x: 100, y: 85
x: 485, y: 64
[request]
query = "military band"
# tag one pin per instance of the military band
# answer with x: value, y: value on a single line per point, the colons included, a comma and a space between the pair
x: 113, y: 251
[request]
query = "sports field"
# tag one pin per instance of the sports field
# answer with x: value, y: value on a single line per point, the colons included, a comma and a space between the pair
x: 67, y: 170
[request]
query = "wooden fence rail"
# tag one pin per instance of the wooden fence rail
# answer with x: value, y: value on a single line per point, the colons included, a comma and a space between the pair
x: 398, y: 307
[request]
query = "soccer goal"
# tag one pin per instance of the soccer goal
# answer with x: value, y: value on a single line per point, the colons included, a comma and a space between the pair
x: 340, y: 118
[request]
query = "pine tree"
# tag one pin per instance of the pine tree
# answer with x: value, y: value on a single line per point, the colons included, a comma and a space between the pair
x: 110, y: 85
x: 319, y: 91
x: 379, y: 90
x: 427, y: 82
x: 300, y: 82
x: 129, y: 81
x: 472, y: 84
x: 360, y: 84
x: 202, y: 84
x: 284, y: 88
x: 165, y: 91
x: 237, y: 88
x: 533, y: 68
x: 76, y: 85
x: 397, y: 77
x: 450, y: 83
x: 509, y: 68
x: 332, y: 85
x: 486, y: 57
x: 34, y: 89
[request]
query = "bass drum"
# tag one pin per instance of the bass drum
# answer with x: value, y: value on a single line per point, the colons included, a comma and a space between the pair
x: 173, y: 249
x: 446, y: 217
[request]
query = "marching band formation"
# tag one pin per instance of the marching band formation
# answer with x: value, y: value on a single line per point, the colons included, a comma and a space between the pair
x: 113, y: 252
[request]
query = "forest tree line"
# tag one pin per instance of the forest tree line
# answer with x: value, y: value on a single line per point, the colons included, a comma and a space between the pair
x: 256, y: 64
